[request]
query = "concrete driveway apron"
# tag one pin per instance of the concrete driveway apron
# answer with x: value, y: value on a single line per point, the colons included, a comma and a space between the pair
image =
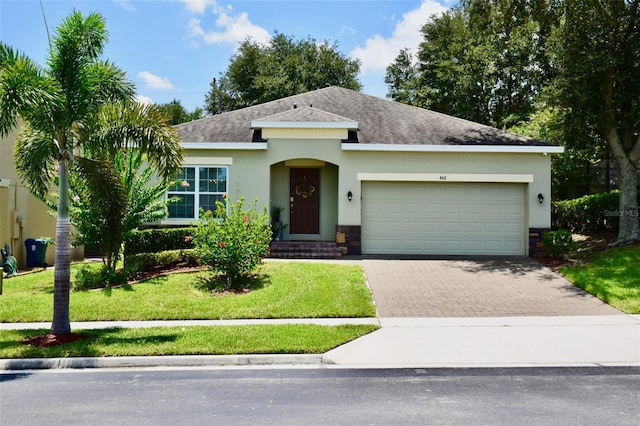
x: 475, y: 287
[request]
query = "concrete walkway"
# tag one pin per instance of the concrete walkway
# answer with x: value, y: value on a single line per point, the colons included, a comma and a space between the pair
x: 603, y: 340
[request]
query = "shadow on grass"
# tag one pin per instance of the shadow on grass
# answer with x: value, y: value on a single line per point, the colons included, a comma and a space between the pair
x: 612, y: 276
x: 91, y: 344
x: 217, y: 283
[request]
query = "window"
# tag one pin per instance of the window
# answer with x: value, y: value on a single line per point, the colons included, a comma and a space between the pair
x: 198, y: 188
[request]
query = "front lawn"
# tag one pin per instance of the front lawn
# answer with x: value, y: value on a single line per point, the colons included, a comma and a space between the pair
x: 286, y: 290
x: 612, y: 275
x: 195, y: 340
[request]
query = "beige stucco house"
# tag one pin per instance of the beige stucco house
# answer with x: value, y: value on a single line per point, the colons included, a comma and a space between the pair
x: 377, y: 176
x: 22, y: 216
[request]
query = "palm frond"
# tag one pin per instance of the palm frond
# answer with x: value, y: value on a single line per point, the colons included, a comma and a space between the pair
x: 109, y: 83
x: 127, y: 126
x: 35, y: 156
x: 24, y: 91
x: 107, y: 196
x: 77, y: 43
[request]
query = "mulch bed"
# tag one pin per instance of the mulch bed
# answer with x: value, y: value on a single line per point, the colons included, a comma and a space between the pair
x: 49, y: 339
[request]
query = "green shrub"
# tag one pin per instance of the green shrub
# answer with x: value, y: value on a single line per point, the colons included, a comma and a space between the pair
x: 158, y: 240
x: 591, y: 213
x: 558, y: 243
x: 141, y: 262
x: 232, y: 240
x: 89, y: 278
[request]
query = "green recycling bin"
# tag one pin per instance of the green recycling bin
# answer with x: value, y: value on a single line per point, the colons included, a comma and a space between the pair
x: 36, y: 252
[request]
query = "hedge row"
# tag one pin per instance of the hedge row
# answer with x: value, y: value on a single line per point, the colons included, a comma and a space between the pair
x: 158, y: 240
x: 136, y: 263
x: 591, y: 213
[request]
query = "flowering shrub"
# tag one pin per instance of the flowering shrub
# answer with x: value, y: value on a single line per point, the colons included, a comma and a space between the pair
x: 232, y: 240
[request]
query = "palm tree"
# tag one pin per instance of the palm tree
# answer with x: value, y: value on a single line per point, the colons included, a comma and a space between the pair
x: 58, y: 108
x: 104, y: 216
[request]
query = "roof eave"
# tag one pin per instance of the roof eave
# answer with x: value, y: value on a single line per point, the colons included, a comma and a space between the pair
x: 239, y: 146
x: 509, y: 149
x: 349, y: 125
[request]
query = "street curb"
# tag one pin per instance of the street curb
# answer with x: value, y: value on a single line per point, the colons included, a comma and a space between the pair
x: 158, y: 361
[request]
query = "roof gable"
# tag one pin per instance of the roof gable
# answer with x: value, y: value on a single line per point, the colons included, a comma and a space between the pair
x: 304, y: 117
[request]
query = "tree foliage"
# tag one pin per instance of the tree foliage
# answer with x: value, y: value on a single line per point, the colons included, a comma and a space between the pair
x: 260, y: 73
x: 572, y: 173
x: 76, y: 117
x: 485, y: 61
x: 598, y: 51
x: 106, y: 220
x: 178, y: 114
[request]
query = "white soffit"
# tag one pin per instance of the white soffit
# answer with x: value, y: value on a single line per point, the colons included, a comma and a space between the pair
x: 351, y: 125
x: 242, y: 146
x: 508, y: 149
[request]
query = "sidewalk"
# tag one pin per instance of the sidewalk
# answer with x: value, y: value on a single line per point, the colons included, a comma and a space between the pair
x: 602, y: 340
x: 558, y: 341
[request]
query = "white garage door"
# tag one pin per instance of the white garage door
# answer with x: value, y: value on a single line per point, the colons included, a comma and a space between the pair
x: 443, y: 218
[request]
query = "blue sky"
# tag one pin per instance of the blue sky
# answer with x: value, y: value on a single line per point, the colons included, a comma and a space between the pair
x: 174, y: 48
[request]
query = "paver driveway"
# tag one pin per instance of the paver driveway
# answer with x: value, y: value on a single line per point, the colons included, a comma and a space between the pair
x: 475, y: 287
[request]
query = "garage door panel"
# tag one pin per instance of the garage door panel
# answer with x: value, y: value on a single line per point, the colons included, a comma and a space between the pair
x: 442, y: 218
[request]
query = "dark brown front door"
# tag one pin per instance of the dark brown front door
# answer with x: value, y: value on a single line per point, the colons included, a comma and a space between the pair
x: 305, y: 201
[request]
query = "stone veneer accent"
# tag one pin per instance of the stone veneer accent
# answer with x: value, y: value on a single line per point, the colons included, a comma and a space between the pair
x: 348, y: 239
x: 535, y: 241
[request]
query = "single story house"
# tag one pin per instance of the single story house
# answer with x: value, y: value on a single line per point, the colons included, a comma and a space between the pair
x: 376, y: 176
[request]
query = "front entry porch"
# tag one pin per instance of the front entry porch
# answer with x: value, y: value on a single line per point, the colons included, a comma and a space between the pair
x: 304, y: 250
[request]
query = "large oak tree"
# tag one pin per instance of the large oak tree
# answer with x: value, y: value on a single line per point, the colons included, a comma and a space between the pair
x: 599, y: 84
x: 485, y: 61
x: 260, y: 73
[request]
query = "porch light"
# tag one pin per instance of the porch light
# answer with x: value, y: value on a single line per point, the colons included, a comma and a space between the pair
x: 540, y: 198
x: 349, y: 195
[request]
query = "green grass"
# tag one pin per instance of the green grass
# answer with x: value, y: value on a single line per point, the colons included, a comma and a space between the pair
x: 286, y: 290
x: 196, y: 340
x: 612, y: 275
x: 283, y: 290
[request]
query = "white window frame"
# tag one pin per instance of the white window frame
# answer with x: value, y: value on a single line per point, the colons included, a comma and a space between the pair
x: 195, y: 192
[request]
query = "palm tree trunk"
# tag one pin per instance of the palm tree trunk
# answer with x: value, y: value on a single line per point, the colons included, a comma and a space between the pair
x: 61, y: 286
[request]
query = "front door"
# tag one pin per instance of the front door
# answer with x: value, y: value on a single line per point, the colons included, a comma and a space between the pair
x: 304, y: 201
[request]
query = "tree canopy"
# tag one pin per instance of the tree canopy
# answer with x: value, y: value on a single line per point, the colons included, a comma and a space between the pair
x: 482, y: 60
x: 598, y: 84
x: 260, y: 73
x: 178, y: 114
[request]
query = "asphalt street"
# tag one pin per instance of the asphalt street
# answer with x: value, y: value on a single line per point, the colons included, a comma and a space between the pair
x: 322, y: 396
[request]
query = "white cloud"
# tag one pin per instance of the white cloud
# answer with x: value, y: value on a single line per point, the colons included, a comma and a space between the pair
x: 229, y: 28
x: 198, y: 6
x: 145, y: 100
x: 155, y: 82
x: 126, y: 5
x: 379, y: 52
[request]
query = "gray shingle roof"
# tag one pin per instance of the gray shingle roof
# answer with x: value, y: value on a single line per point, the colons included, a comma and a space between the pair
x: 305, y: 115
x: 379, y: 121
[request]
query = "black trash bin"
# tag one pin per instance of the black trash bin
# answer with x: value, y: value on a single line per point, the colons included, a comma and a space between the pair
x: 36, y: 252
